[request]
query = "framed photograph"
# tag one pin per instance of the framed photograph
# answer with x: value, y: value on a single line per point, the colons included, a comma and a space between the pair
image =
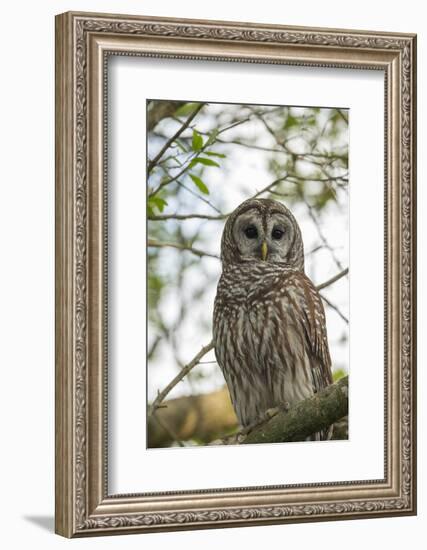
x: 235, y: 274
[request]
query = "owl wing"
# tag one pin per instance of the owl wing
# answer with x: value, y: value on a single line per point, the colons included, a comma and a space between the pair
x: 302, y: 297
x: 300, y: 293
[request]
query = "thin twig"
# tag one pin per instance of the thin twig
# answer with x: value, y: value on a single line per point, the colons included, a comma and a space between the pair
x: 183, y: 372
x: 342, y: 115
x: 206, y: 201
x: 269, y: 186
x: 169, y: 142
x: 167, y: 429
x: 220, y: 216
x: 343, y: 178
x: 190, y: 158
x: 284, y: 146
x: 162, y: 217
x: 173, y: 178
x: 324, y: 240
x: 333, y: 279
x: 335, y: 308
x: 315, y: 249
x: 283, y: 150
x: 195, y: 251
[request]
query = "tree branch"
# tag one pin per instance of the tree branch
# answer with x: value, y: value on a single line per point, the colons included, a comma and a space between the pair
x: 169, y: 142
x: 333, y: 279
x: 335, y: 308
x: 183, y: 372
x: 163, y: 217
x: 205, y: 418
x: 202, y: 216
x: 196, y: 251
x: 342, y: 115
x: 206, y: 201
x: 305, y: 418
x: 322, y: 237
x: 269, y: 186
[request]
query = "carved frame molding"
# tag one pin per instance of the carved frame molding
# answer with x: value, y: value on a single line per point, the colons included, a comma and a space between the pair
x: 83, y: 43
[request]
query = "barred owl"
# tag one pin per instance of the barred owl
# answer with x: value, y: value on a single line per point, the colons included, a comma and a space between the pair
x: 269, y: 324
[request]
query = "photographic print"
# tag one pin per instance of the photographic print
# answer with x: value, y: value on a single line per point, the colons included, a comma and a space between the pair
x: 247, y: 273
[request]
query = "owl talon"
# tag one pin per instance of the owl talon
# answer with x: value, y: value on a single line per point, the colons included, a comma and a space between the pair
x: 273, y: 411
x: 247, y: 429
x: 269, y: 413
x: 284, y: 407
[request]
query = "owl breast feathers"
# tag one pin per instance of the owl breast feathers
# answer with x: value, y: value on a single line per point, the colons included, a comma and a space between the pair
x: 269, y: 324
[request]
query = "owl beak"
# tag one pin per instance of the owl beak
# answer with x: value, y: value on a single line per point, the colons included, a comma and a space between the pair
x: 264, y: 251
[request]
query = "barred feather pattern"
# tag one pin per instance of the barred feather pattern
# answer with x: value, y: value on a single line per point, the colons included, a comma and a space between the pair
x: 270, y: 336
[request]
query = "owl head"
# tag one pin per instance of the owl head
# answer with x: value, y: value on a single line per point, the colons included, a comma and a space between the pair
x: 262, y: 230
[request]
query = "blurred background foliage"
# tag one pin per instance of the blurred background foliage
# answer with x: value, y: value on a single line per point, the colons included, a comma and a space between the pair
x: 203, y: 160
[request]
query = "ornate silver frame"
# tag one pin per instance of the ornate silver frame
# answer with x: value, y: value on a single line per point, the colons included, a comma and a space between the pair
x: 83, y: 41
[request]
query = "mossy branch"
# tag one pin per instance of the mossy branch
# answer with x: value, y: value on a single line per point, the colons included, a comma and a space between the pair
x: 305, y: 418
x: 204, y: 417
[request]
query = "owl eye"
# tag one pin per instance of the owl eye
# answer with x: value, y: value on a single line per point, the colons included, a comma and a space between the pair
x: 251, y: 232
x: 277, y: 233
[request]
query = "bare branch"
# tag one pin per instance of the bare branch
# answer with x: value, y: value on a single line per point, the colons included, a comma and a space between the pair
x: 196, y: 251
x: 283, y: 144
x: 163, y: 217
x: 283, y: 150
x: 333, y: 279
x: 269, y: 187
x: 190, y: 158
x: 207, y: 144
x: 335, y: 308
x: 314, y: 250
x: 342, y: 115
x: 341, y: 179
x: 183, y: 372
x: 324, y: 240
x: 250, y: 146
x: 199, y: 197
x: 169, y: 430
x: 169, y: 142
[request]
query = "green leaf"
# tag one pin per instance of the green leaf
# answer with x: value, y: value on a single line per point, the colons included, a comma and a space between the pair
x: 204, y: 161
x: 291, y: 121
x: 157, y: 202
x: 197, y: 142
x: 202, y: 187
x: 328, y: 194
x: 339, y: 373
x: 213, y: 154
x: 186, y: 109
